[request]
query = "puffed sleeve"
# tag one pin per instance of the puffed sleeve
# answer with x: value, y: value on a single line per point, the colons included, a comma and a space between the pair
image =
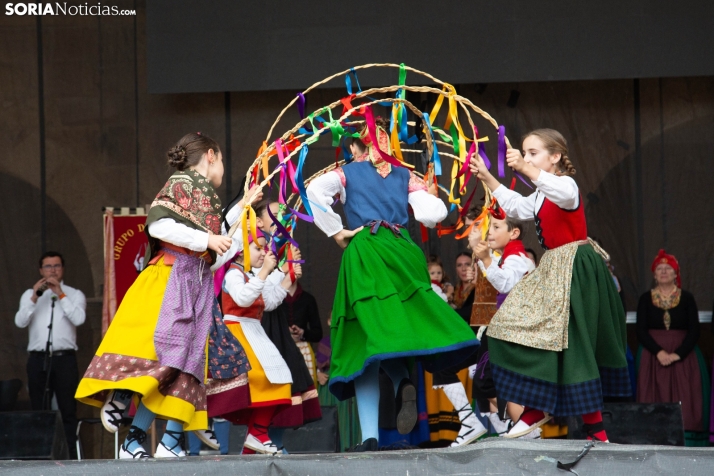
x: 321, y: 192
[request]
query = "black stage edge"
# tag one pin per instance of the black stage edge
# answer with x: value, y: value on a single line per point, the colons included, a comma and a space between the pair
x: 490, y: 457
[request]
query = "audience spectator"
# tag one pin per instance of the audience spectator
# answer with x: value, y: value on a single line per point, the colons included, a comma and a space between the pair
x: 671, y: 366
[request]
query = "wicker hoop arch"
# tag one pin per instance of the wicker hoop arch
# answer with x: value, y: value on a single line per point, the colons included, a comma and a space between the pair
x: 447, y: 92
x: 464, y: 103
x: 342, y: 73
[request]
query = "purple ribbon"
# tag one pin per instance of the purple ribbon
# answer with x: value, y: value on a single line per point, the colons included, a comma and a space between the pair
x: 375, y: 224
x: 522, y: 179
x: 482, y: 363
x: 501, y: 151
x: 301, y: 105
x: 482, y: 153
x: 281, y: 230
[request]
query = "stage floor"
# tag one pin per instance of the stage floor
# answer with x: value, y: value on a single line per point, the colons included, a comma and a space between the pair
x: 490, y: 457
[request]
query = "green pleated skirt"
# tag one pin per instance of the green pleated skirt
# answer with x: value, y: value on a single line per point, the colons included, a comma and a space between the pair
x: 385, y: 308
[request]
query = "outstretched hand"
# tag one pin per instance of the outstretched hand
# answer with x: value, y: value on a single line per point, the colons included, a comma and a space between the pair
x: 219, y: 243
x: 253, y: 191
x: 470, y: 274
x: 481, y: 250
x: 515, y: 160
x: 343, y: 237
x: 478, y: 168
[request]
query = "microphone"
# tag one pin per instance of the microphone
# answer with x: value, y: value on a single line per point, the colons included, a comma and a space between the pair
x: 42, y: 289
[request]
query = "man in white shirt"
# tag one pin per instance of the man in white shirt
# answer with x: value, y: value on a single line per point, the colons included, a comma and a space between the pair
x: 51, y: 300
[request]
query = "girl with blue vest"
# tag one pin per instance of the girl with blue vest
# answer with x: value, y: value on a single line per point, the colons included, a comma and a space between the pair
x: 384, y: 309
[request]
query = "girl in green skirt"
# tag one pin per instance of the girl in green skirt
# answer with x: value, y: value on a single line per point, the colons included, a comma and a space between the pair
x: 385, y: 309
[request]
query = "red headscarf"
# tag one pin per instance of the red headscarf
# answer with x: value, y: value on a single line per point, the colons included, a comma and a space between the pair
x: 664, y: 258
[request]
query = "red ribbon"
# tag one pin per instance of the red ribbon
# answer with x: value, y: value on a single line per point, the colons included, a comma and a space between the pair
x: 372, y: 131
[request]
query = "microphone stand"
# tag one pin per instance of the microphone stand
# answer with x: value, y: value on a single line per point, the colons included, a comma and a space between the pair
x: 47, y: 367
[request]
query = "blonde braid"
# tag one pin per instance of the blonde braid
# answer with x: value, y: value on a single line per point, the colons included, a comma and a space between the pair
x: 566, y: 166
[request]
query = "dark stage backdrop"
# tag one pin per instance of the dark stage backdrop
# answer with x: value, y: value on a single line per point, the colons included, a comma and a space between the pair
x: 228, y: 45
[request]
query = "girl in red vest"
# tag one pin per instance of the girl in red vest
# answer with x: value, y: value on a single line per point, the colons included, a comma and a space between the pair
x: 557, y: 344
x: 246, y: 294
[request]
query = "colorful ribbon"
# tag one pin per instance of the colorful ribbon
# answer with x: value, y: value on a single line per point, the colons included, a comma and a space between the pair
x: 301, y: 105
x: 372, y: 132
x: 501, y: 151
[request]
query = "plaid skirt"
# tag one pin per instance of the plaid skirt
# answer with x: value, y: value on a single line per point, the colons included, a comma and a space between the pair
x: 574, y: 380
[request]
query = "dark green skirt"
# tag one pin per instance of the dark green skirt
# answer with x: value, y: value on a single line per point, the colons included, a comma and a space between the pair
x: 573, y: 381
x: 385, y: 308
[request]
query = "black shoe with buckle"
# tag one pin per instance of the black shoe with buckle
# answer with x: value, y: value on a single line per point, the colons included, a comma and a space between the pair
x: 370, y: 444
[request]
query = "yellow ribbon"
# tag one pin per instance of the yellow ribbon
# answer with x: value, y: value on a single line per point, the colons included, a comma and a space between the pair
x: 248, y: 221
x: 453, y: 118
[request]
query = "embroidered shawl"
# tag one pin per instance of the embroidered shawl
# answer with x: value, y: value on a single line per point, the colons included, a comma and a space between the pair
x: 187, y: 198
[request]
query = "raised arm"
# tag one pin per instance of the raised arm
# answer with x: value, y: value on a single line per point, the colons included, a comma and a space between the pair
x: 74, y: 305
x: 244, y: 294
x: 274, y: 292
x: 513, y: 203
x: 181, y: 235
x: 505, y: 278
x: 561, y: 190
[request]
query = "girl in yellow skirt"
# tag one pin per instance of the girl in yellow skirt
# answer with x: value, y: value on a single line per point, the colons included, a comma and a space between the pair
x: 154, y: 350
x: 245, y: 296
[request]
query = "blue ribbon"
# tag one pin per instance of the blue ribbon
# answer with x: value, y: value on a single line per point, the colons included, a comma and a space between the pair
x: 348, y: 81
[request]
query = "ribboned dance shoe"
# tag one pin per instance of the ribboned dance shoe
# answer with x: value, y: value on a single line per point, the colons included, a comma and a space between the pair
x: 113, y: 409
x: 522, y: 428
x: 266, y: 448
x: 406, y: 406
x: 501, y: 427
x: 175, y: 450
x: 208, y: 437
x: 138, y: 452
x: 471, y: 429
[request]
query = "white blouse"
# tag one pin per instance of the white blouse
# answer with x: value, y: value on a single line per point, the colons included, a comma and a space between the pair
x: 169, y: 230
x: 561, y: 190
x: 245, y: 293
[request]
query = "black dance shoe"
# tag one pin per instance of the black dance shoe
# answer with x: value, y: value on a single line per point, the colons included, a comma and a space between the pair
x: 406, y: 406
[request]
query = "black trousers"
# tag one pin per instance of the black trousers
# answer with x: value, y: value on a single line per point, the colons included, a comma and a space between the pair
x: 64, y: 379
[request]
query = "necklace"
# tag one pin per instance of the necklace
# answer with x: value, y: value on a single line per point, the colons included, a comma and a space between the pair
x: 666, y: 302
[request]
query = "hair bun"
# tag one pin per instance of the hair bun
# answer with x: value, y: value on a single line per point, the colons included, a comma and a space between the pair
x: 178, y: 157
